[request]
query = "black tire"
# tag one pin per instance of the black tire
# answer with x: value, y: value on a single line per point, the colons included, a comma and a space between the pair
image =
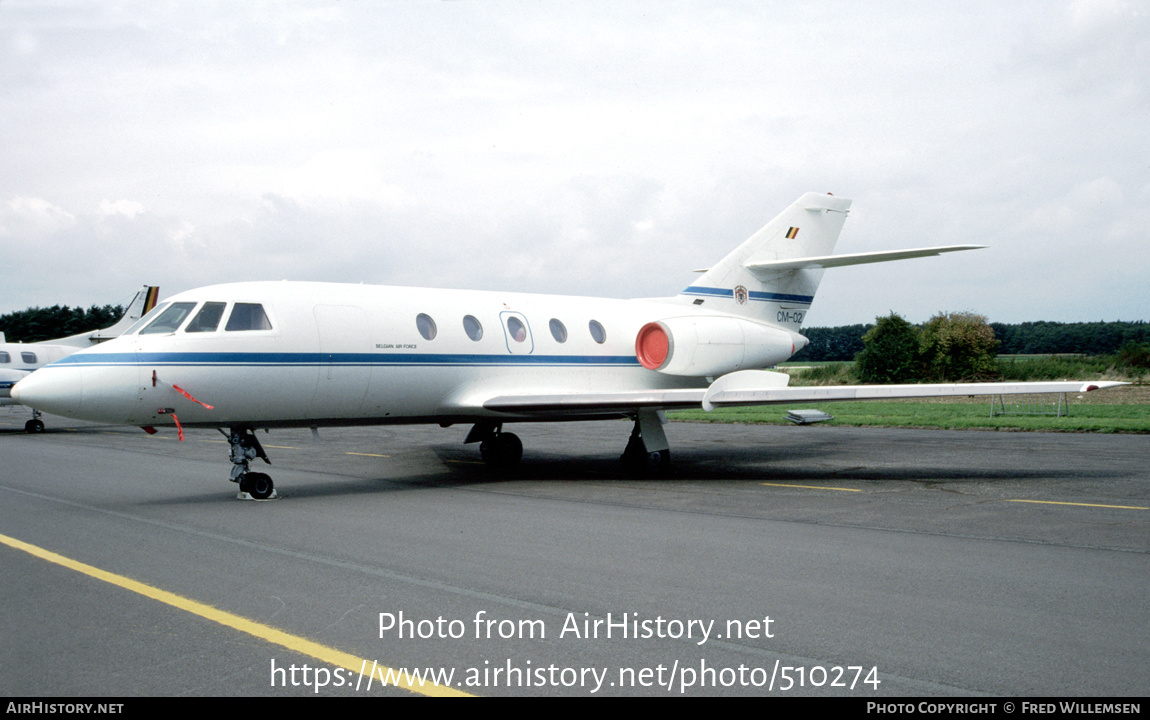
x: 659, y: 462
x: 258, y: 485
x: 512, y: 449
x: 502, y: 451
x: 34, y: 426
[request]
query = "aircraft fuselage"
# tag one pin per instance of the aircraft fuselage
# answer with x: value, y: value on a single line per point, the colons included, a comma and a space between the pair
x: 333, y: 354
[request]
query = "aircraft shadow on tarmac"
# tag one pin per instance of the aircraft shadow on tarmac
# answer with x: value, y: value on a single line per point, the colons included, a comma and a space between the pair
x: 811, y: 461
x: 724, y: 465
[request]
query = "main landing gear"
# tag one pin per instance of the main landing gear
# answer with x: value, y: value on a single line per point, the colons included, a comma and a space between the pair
x: 245, y: 447
x: 500, y: 450
x: 647, y: 450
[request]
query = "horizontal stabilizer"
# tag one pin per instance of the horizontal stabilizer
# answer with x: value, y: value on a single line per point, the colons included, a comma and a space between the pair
x: 770, y: 267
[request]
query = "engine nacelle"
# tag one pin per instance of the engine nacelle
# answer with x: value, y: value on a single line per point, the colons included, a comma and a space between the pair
x: 710, y: 346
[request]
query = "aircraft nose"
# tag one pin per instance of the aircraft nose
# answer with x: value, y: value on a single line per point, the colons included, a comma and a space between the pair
x: 58, y: 391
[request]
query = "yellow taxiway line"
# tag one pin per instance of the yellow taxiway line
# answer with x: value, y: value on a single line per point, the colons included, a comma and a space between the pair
x: 323, y: 653
x: 1055, y: 502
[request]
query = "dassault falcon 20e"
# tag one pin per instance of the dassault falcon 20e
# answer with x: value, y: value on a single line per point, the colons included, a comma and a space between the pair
x: 256, y: 355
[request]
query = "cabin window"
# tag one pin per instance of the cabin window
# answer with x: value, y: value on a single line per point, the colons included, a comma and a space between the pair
x: 558, y: 331
x: 597, y: 332
x: 28, y: 357
x: 517, y: 329
x: 426, y: 326
x: 169, y: 320
x: 5, y: 357
x: 208, y: 318
x: 248, y: 316
x: 472, y: 327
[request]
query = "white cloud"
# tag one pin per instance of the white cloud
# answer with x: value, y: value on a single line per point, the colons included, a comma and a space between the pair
x: 125, y: 208
x: 599, y: 148
x: 33, y: 218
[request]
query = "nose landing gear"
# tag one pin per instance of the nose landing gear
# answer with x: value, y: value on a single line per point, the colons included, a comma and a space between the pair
x: 245, y: 447
x: 35, y: 425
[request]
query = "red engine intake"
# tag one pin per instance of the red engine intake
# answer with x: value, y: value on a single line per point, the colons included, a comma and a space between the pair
x: 652, y: 346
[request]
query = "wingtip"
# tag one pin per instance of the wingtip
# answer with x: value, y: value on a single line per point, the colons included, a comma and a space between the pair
x: 1088, y: 387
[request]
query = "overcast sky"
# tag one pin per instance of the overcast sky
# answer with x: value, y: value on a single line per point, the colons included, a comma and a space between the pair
x: 598, y: 148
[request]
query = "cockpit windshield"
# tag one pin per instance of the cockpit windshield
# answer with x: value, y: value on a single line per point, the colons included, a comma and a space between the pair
x: 208, y: 318
x: 248, y: 316
x: 148, y: 317
x: 170, y: 319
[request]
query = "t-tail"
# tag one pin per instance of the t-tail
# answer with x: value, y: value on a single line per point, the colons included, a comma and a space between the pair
x: 773, y: 276
x: 140, y: 305
x: 770, y: 277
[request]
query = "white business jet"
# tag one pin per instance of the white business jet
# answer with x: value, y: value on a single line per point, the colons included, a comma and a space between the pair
x: 255, y: 355
x: 17, y: 360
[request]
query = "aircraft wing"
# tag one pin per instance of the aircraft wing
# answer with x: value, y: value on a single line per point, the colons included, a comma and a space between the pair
x: 749, y: 387
x: 579, y: 404
x: 757, y: 387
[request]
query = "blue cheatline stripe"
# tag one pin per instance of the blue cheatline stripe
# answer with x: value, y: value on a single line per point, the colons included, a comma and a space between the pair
x: 782, y: 297
x: 342, y: 359
x: 712, y: 292
x: 754, y: 295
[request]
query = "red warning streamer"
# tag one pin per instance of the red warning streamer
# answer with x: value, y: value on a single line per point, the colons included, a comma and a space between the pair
x: 172, y: 412
x: 168, y: 411
x: 179, y: 427
x: 185, y: 393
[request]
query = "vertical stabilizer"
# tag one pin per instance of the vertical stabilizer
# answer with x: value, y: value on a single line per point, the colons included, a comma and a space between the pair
x: 144, y: 301
x: 810, y: 227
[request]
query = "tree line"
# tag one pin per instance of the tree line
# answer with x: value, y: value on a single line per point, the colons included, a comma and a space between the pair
x: 39, y: 324
x: 963, y: 347
x: 1042, y: 337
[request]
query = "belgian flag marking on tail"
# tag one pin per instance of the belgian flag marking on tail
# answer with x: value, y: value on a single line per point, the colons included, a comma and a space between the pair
x: 150, y: 300
x: 792, y: 233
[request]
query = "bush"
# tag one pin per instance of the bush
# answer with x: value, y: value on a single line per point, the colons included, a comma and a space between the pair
x: 1133, y: 355
x: 958, y: 347
x: 890, y: 353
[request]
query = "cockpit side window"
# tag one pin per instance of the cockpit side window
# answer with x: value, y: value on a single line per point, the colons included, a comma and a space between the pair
x: 5, y: 358
x: 149, y: 317
x: 169, y: 320
x: 208, y: 318
x: 248, y: 316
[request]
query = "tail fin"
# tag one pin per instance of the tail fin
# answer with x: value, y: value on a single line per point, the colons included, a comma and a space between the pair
x: 749, y: 281
x: 144, y: 301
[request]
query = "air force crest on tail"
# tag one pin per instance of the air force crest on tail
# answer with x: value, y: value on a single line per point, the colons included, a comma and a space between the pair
x: 741, y: 295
